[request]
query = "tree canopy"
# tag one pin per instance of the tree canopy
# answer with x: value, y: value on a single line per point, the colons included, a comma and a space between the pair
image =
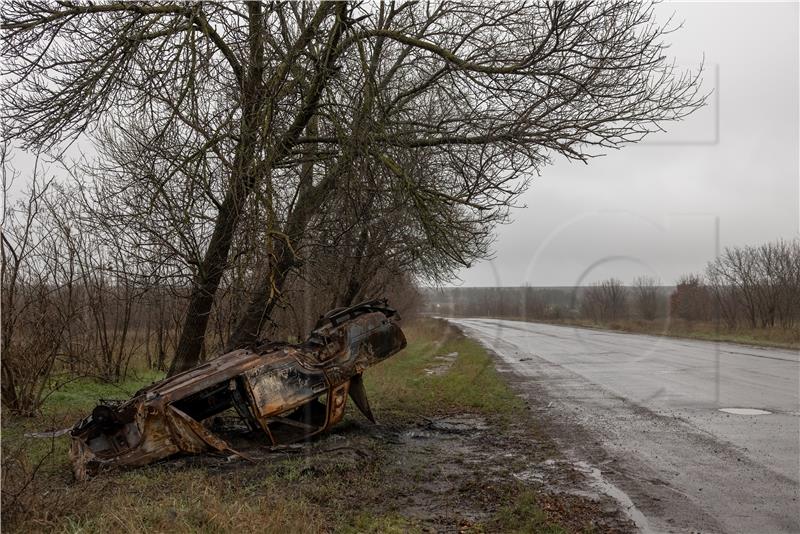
x: 269, y: 134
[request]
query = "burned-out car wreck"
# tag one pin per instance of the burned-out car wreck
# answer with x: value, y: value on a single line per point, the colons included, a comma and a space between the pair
x: 289, y: 392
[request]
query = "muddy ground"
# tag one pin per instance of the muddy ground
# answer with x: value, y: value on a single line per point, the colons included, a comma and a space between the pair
x: 457, y: 473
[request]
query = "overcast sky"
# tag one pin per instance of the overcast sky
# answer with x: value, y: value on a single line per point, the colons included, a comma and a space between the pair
x: 652, y: 208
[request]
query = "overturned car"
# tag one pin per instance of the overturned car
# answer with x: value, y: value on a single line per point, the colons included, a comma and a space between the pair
x: 289, y: 392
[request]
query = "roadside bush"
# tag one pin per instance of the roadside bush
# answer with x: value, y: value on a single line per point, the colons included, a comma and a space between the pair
x: 605, y: 301
x: 691, y: 300
x: 759, y: 286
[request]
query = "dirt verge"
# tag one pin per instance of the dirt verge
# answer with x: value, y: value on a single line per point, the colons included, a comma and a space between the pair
x: 457, y: 473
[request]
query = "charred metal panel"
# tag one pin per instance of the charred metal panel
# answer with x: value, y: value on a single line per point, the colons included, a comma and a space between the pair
x: 276, y: 387
x: 336, y: 404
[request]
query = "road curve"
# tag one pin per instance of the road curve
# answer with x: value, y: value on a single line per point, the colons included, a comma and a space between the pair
x: 646, y: 411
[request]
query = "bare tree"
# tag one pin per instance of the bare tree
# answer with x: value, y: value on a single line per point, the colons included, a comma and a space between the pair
x: 725, y: 295
x: 761, y: 284
x: 736, y: 268
x: 691, y: 300
x: 645, y: 297
x: 455, y: 141
x: 604, y: 301
x: 449, y: 106
x: 787, y: 280
x: 31, y: 325
x: 776, y: 287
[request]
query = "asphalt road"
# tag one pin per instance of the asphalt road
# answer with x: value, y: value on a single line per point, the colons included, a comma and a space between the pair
x: 645, y: 410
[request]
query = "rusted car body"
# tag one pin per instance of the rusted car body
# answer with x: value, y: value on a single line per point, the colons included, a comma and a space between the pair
x: 290, y: 392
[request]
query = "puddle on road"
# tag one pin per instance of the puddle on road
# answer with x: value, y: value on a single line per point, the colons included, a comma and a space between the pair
x: 745, y: 411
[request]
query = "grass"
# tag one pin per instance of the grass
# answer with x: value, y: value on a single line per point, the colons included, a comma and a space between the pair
x: 523, y: 515
x: 405, y: 387
x: 82, y: 393
x: 284, y: 494
x: 389, y: 524
x: 190, y: 500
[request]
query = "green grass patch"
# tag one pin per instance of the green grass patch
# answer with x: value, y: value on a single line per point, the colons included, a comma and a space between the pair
x: 419, y: 381
x: 81, y: 394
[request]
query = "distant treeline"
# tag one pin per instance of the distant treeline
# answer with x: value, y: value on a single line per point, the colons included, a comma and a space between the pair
x: 754, y: 287
x: 540, y: 303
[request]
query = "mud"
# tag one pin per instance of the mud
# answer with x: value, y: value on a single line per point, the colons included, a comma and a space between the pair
x: 445, y: 474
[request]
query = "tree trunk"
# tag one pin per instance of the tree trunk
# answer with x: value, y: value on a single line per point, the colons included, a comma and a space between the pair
x: 310, y: 198
x: 271, y: 285
x: 187, y: 353
x: 355, y: 276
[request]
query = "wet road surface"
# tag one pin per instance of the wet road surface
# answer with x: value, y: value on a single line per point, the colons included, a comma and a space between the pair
x: 646, y: 411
